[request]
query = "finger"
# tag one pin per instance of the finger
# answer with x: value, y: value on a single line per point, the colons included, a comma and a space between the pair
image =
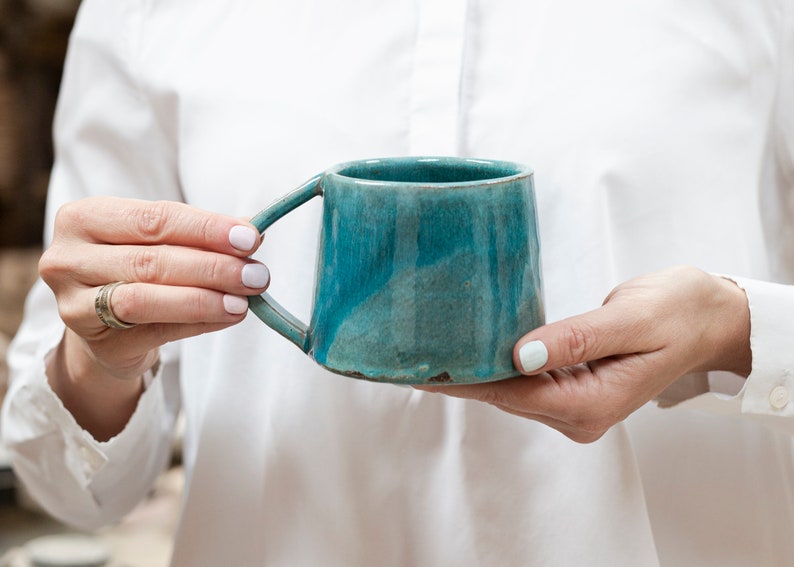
x: 572, y: 433
x: 569, y: 394
x: 169, y: 265
x: 516, y: 399
x: 143, y: 304
x: 536, y: 398
x: 113, y: 220
x: 147, y: 303
x: 569, y: 400
x: 607, y: 331
x: 520, y: 395
x: 121, y: 352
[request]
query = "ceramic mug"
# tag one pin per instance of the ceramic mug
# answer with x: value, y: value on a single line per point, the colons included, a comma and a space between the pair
x: 428, y: 269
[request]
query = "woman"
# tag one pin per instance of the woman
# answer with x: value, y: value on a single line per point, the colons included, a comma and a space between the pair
x: 659, y: 137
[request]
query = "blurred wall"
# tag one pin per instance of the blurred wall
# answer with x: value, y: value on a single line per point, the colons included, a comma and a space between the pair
x: 33, y: 39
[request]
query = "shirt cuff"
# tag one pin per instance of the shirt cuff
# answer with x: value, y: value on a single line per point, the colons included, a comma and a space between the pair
x: 767, y: 394
x: 770, y: 384
x: 45, y: 415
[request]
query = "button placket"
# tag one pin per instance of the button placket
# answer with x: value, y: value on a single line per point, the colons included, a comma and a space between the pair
x: 435, y: 85
x: 92, y: 459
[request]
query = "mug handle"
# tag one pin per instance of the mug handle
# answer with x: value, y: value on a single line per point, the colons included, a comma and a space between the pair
x: 264, y: 306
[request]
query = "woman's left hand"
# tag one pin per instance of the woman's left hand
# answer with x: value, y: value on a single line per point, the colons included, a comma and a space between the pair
x: 586, y: 373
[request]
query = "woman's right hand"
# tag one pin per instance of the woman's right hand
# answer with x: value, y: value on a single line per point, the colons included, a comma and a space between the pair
x: 187, y: 272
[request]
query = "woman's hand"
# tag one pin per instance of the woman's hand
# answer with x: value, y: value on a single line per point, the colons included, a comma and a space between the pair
x: 188, y: 274
x: 591, y: 371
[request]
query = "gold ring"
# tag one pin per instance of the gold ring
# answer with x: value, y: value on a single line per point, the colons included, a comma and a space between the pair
x: 103, y: 309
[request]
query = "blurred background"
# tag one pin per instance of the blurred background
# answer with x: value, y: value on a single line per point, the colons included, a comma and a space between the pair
x: 33, y: 41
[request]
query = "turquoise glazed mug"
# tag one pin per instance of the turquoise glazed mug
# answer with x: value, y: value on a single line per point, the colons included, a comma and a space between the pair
x: 428, y: 269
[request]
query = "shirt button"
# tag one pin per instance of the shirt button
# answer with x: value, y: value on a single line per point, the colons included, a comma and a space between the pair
x: 779, y: 397
x: 91, y: 460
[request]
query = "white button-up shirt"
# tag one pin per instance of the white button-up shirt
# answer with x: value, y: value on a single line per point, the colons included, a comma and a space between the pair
x: 661, y: 133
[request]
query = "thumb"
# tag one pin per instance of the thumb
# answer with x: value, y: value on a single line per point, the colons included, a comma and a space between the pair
x: 606, y: 331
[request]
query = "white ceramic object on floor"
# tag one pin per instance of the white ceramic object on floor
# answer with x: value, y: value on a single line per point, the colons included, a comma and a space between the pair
x: 70, y: 550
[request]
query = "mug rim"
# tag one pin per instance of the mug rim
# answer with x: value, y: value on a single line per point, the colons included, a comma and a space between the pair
x: 521, y: 170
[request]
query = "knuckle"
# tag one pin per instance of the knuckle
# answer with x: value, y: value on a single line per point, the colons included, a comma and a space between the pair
x: 69, y: 314
x: 56, y: 267
x: 585, y: 437
x: 590, y: 429
x: 492, y: 396
x: 584, y: 419
x: 199, y: 225
x: 50, y: 265
x: 151, y: 220
x: 206, y: 228
x: 214, y: 270
x: 197, y: 306
x: 68, y: 215
x: 145, y: 265
x: 578, y: 341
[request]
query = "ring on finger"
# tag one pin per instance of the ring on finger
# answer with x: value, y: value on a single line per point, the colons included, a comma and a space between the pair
x: 103, y: 309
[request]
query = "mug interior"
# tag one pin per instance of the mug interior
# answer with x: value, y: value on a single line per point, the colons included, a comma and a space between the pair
x: 441, y: 170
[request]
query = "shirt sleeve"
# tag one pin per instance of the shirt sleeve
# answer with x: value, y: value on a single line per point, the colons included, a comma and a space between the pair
x: 767, y: 395
x: 77, y: 479
x: 108, y: 141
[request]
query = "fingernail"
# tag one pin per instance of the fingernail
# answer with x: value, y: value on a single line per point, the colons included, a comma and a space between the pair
x: 243, y: 238
x: 255, y: 275
x: 234, y: 304
x: 533, y: 355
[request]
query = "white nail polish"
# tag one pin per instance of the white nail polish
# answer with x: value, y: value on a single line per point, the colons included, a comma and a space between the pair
x: 243, y: 238
x: 234, y: 304
x: 255, y: 275
x: 533, y: 355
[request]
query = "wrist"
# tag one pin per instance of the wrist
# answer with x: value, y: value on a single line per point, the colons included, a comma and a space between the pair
x: 733, y: 327
x: 100, y: 402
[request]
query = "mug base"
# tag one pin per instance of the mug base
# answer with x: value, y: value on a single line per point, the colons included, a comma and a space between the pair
x: 443, y: 378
